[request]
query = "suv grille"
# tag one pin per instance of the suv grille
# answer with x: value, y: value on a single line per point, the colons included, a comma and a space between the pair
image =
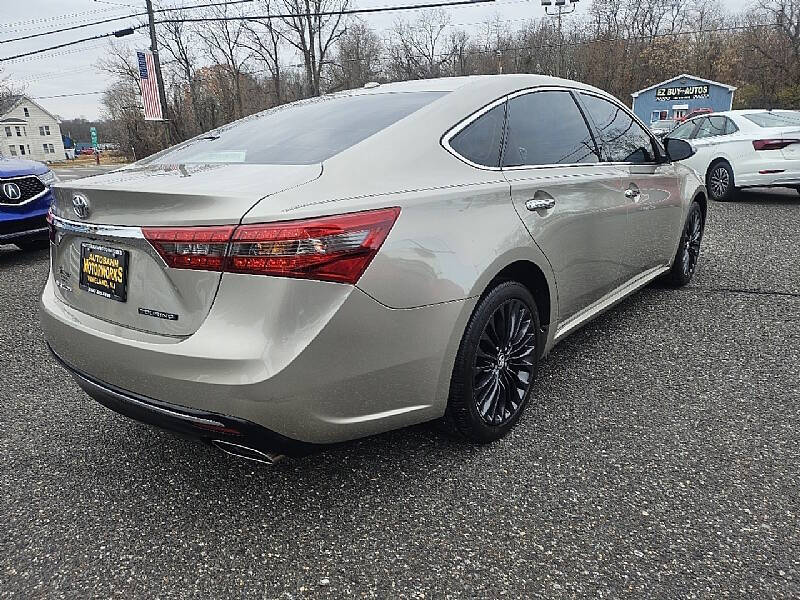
x: 19, y: 189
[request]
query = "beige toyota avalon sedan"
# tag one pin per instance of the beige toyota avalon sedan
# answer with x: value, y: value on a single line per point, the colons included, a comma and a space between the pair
x: 359, y: 262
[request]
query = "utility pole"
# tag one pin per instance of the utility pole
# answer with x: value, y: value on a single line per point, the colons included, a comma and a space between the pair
x: 162, y: 95
x: 562, y: 7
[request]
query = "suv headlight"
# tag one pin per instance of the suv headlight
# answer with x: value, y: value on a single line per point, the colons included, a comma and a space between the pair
x: 48, y: 178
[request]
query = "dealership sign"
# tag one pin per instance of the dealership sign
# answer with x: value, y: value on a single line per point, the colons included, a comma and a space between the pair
x: 688, y: 92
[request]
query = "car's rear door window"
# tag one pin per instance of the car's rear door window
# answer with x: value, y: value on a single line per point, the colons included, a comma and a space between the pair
x: 301, y: 133
x: 480, y: 142
x: 621, y: 137
x: 547, y: 128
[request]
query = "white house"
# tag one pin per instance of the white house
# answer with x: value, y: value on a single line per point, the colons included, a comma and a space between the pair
x: 28, y: 131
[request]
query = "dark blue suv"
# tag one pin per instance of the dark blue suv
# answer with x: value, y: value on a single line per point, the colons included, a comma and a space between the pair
x: 25, y: 197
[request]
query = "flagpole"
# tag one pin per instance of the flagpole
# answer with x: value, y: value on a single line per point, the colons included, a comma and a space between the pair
x: 162, y: 95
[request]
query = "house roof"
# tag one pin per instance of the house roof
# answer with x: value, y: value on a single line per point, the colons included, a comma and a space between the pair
x: 8, y: 104
x: 684, y: 76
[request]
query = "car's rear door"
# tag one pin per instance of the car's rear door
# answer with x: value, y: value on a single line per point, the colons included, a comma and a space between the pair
x: 650, y: 184
x: 570, y: 201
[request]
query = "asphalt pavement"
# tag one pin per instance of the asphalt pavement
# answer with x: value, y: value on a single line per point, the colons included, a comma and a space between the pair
x: 70, y: 173
x: 660, y: 460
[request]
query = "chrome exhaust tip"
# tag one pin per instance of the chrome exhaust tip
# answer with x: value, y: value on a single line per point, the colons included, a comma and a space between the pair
x: 247, y: 453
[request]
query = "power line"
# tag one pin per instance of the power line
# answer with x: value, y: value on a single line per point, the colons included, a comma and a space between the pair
x: 132, y: 28
x: 328, y: 13
x: 111, y: 20
x: 67, y: 95
x: 119, y: 33
x: 63, y: 29
x: 32, y: 23
x: 59, y: 53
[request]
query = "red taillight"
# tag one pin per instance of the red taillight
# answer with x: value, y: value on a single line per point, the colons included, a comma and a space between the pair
x: 773, y: 144
x: 191, y: 247
x: 337, y: 248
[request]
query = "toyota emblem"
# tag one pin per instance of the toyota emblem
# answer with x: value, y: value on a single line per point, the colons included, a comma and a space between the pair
x: 80, y: 206
x: 11, y: 191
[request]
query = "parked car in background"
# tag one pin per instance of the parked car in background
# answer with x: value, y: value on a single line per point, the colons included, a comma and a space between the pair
x: 661, y: 128
x: 744, y: 148
x: 692, y: 114
x: 254, y: 286
x: 25, y: 198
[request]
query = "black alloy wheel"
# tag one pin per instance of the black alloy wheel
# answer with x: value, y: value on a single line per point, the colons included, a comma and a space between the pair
x: 504, y: 362
x: 685, y: 263
x: 496, y: 364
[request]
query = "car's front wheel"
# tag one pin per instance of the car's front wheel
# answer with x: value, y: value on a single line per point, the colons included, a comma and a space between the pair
x: 720, y: 181
x: 685, y: 263
x: 495, y: 366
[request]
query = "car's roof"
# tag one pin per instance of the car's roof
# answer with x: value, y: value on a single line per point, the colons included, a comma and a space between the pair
x: 450, y: 84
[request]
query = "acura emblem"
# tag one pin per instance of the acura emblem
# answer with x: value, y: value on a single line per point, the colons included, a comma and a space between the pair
x: 11, y: 191
x: 80, y: 205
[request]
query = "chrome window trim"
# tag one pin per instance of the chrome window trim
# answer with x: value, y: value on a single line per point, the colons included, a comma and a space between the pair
x: 453, y: 131
x: 29, y: 200
x: 463, y: 124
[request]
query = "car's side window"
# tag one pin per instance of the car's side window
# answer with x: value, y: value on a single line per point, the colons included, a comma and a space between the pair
x: 480, y: 142
x: 622, y: 138
x: 547, y: 128
x: 711, y: 127
x: 684, y: 131
x: 730, y: 126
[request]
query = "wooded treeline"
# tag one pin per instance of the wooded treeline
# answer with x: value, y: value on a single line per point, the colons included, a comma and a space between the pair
x: 218, y: 71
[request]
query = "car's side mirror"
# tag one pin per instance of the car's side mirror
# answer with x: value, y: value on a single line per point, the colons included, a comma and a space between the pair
x: 678, y: 149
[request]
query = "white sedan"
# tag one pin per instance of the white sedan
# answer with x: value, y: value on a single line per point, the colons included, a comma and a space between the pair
x: 744, y: 148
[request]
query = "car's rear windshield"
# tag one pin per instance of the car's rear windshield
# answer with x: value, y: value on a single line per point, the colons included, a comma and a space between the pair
x: 775, y: 119
x: 302, y: 133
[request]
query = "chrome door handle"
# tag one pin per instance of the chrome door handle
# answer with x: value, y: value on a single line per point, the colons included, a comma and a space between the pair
x: 540, y: 203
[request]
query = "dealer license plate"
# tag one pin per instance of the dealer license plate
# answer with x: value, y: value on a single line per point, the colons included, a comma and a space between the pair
x: 104, y: 271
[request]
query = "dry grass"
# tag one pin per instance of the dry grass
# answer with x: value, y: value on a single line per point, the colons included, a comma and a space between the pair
x: 106, y: 158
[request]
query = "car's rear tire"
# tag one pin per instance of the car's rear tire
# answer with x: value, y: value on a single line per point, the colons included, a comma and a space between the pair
x: 720, y: 182
x: 32, y: 245
x: 685, y: 263
x: 495, y: 366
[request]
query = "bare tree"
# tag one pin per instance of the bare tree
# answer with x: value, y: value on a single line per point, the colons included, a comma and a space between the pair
x: 263, y: 39
x: 313, y: 29
x: 224, y: 39
x: 419, y: 49
x: 358, y: 58
x: 179, y: 42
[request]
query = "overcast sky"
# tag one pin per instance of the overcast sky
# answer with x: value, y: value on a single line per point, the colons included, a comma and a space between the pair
x: 72, y: 70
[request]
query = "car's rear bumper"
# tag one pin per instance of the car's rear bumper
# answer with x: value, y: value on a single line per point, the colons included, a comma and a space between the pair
x: 783, y: 173
x: 324, y: 363
x: 208, y: 426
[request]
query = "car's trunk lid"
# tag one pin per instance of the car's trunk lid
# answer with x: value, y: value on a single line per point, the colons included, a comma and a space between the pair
x: 792, y: 151
x: 103, y: 265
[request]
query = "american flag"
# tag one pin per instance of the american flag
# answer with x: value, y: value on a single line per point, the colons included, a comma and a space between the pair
x: 149, y: 85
